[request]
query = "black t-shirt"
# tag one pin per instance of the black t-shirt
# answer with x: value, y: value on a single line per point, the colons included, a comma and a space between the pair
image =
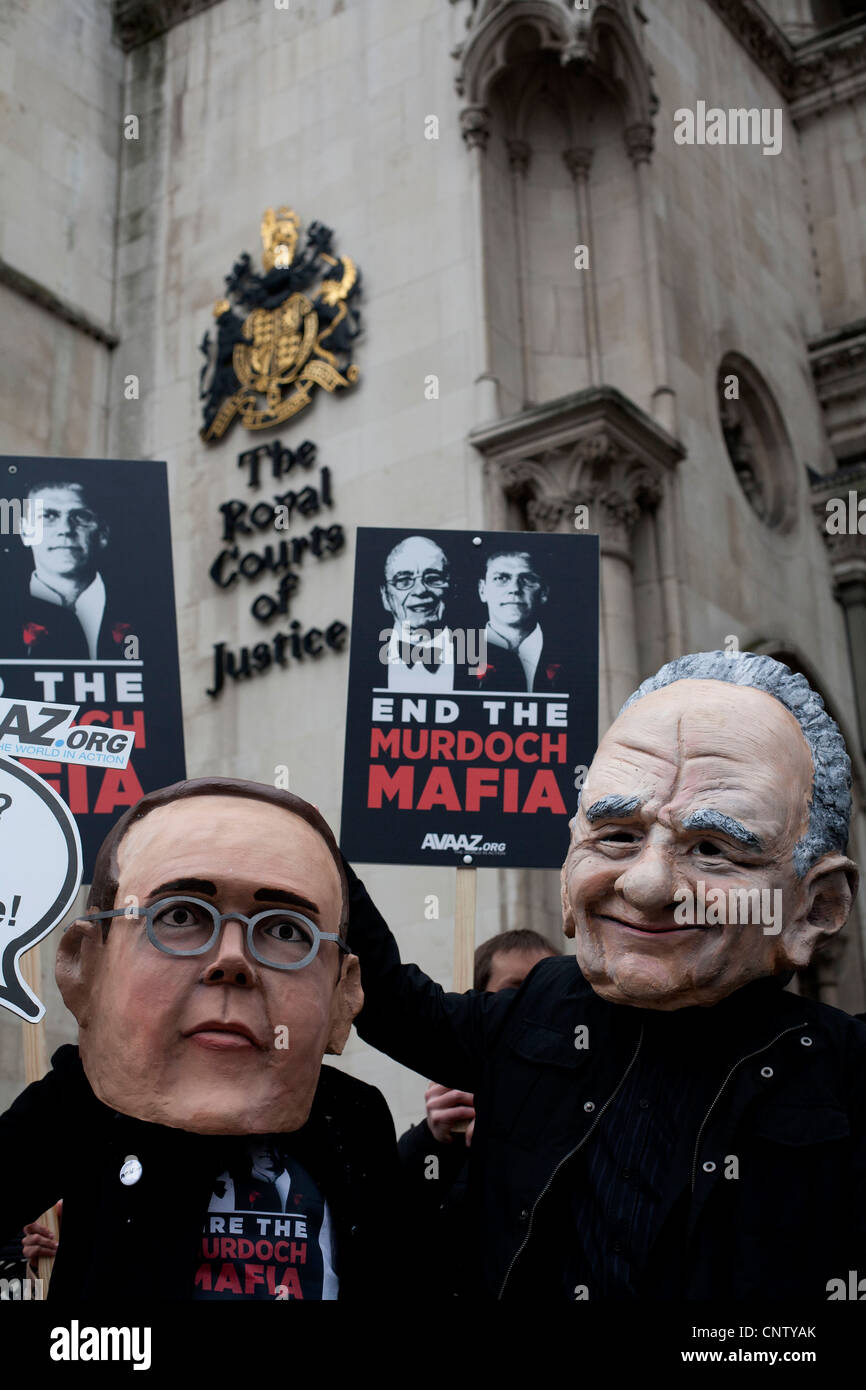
x: 268, y: 1233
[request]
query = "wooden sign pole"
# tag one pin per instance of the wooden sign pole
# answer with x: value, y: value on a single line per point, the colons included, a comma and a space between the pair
x: 464, y: 930
x: 35, y: 1067
x: 464, y: 944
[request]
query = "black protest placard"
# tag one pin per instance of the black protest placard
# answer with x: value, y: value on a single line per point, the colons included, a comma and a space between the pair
x: 87, y: 618
x: 473, y: 696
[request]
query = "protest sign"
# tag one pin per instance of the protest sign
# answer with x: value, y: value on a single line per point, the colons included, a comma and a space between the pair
x: 473, y: 696
x: 87, y: 621
x: 40, y: 873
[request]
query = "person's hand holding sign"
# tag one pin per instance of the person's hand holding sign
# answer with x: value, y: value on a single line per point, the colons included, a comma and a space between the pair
x: 38, y: 1243
x: 449, y: 1112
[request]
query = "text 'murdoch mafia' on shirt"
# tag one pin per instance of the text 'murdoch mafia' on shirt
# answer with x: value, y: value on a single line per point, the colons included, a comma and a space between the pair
x: 268, y: 1233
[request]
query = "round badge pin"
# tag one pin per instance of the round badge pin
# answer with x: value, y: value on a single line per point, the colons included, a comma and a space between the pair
x: 131, y: 1170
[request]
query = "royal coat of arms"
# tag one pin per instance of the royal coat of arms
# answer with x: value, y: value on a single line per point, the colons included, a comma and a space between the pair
x: 264, y: 367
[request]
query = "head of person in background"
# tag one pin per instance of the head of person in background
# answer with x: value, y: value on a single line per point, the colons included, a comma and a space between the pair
x: 209, y: 974
x: 505, y: 960
x: 709, y: 845
x: 415, y: 586
x: 68, y: 545
x: 515, y: 595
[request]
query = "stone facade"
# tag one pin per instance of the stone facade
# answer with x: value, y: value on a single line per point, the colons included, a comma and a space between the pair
x: 559, y: 384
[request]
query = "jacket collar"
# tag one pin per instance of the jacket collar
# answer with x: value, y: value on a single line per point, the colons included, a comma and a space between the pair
x: 744, y: 1020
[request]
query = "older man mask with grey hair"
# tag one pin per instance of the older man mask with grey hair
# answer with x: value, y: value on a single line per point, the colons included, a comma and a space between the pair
x: 709, y: 846
x: 660, y: 1118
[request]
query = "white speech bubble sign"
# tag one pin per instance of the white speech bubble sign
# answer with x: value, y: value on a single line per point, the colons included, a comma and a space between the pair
x: 40, y: 873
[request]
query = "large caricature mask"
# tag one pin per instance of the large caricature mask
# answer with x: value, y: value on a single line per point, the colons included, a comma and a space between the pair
x: 217, y: 1043
x: 701, y: 786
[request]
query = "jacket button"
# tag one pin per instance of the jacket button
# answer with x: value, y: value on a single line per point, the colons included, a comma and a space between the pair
x: 806, y: 1042
x: 589, y: 1106
x: 524, y: 1215
x: 709, y: 1166
x: 767, y: 1072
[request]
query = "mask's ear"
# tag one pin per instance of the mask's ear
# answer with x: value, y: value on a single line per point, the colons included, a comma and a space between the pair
x: 563, y: 890
x: 826, y: 896
x: 78, y: 954
x: 348, y: 1001
x: 567, y: 913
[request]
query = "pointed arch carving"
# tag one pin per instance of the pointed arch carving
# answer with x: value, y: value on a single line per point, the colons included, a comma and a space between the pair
x: 602, y: 41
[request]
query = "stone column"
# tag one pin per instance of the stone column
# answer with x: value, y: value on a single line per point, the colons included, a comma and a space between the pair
x: 850, y: 590
x: 639, y: 144
x: 795, y: 18
x: 518, y: 161
x: 612, y: 517
x: 847, y: 551
x: 475, y: 128
x: 616, y: 517
x: 668, y: 530
x: 578, y: 160
x: 616, y: 487
x: 495, y: 498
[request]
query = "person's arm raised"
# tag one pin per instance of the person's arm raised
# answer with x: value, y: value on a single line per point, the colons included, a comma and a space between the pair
x: 406, y: 1014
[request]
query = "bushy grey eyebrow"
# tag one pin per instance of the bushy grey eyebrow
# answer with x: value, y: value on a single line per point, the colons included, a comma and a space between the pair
x: 613, y: 808
x: 706, y: 819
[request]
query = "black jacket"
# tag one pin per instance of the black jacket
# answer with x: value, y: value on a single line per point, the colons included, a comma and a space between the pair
x: 142, y: 1242
x: 434, y: 1180
x: 791, y: 1108
x: 43, y: 631
x: 504, y: 671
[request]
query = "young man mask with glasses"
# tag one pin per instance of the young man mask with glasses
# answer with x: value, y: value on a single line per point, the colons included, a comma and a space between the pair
x: 200, y: 1148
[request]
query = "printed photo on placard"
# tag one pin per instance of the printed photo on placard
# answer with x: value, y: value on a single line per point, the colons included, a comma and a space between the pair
x: 473, y: 695
x: 88, y: 619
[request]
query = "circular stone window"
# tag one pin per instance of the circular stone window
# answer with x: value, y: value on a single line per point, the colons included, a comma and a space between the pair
x: 757, y: 442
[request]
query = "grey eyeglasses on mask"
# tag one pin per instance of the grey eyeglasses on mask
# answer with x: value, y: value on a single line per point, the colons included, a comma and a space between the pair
x: 281, y: 938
